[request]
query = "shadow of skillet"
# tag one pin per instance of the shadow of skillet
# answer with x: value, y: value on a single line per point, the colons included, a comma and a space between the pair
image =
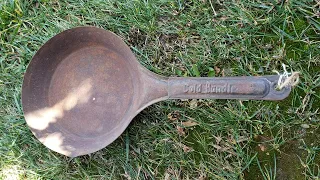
x: 42, y: 120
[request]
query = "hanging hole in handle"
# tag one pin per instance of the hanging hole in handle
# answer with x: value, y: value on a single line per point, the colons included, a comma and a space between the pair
x: 276, y: 89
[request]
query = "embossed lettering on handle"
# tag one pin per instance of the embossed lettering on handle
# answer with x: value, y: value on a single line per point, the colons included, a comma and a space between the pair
x: 218, y: 88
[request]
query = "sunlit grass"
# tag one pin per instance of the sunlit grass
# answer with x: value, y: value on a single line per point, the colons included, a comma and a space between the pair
x: 10, y: 173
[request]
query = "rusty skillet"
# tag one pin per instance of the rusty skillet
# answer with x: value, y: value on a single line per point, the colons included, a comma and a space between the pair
x: 84, y: 86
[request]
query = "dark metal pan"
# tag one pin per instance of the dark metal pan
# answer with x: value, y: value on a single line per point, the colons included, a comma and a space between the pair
x: 84, y: 86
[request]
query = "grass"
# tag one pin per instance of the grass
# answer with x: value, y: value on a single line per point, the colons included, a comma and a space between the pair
x: 233, y: 139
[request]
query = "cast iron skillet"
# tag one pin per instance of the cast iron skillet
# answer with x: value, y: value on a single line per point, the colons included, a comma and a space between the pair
x: 84, y: 86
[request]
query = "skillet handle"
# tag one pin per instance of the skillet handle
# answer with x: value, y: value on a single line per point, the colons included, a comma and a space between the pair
x: 246, y: 87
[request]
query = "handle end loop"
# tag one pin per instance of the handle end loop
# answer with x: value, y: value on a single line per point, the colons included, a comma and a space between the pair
x: 287, y: 79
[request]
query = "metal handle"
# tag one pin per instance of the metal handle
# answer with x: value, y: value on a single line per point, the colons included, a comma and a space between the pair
x: 247, y: 87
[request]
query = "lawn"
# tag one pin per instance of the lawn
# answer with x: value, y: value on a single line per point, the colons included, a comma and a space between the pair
x: 178, y: 139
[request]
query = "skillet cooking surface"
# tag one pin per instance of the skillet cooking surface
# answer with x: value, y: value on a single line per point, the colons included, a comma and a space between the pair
x: 78, y: 90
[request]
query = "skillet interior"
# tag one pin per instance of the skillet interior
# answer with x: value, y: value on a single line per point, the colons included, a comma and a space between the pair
x: 78, y: 90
